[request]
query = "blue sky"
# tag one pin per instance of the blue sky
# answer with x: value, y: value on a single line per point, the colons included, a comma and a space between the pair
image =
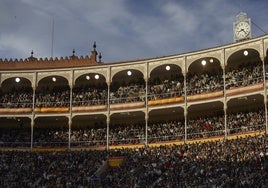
x: 123, y: 29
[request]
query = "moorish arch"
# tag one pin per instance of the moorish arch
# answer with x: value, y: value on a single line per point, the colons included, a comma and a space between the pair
x: 166, y: 72
x: 102, y: 72
x: 127, y: 77
x: 206, y: 55
x: 243, y: 56
x: 52, y: 81
x: 19, y: 83
x: 90, y: 79
x: 205, y: 75
x: 207, y: 64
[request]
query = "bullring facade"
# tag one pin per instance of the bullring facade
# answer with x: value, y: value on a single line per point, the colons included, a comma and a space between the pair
x: 75, y: 101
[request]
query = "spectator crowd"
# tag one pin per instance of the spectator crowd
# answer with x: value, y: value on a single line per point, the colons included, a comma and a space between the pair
x: 241, y: 162
x: 204, y: 82
x: 134, y: 133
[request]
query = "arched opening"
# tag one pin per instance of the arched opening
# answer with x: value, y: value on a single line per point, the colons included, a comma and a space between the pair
x: 166, y: 82
x: 204, y: 76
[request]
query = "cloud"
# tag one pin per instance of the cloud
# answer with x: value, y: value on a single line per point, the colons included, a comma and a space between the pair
x: 123, y: 29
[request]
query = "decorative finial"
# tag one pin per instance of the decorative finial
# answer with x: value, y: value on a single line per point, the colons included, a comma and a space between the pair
x: 73, y: 52
x: 94, y: 46
x: 100, y: 56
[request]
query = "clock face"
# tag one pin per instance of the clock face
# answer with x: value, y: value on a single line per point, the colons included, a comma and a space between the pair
x: 242, y: 30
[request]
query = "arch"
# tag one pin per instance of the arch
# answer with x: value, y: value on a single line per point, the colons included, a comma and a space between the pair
x: 210, y: 64
x: 165, y: 70
x: 100, y: 71
x: 11, y: 82
x: 205, y: 76
x: 239, y: 57
x: 123, y: 69
x: 48, y: 81
x: 178, y: 62
x: 124, y: 77
x: 89, y: 78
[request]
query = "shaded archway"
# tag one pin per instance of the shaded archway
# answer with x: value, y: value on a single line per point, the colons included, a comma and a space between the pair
x: 16, y: 92
x: 51, y: 132
x: 89, y: 131
x: 127, y: 128
x: 127, y: 86
x: 245, y: 114
x: 15, y: 132
x: 89, y: 90
x: 166, y: 125
x: 243, y: 68
x: 205, y: 120
x: 204, y: 75
x: 52, y: 91
x: 166, y: 81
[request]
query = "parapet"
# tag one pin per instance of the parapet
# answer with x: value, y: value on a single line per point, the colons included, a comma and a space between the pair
x: 33, y: 63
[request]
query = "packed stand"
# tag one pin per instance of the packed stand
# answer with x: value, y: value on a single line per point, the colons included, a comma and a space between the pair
x: 244, y: 75
x: 232, y: 163
x: 158, y: 131
x: 246, y: 122
x: 206, y: 126
x: 22, y: 98
x: 166, y: 131
x: 50, y: 137
x: 49, y: 169
x: 132, y: 93
x: 204, y: 83
x: 165, y: 89
x: 91, y: 95
x: 84, y: 137
x: 15, y: 137
x: 127, y: 134
x: 241, y: 122
x: 241, y: 162
x: 55, y: 97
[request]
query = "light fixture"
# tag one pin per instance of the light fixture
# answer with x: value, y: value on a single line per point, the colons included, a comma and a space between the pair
x: 167, y: 67
x: 97, y: 76
x: 245, y: 53
x: 203, y: 62
x: 129, y: 73
x: 17, y: 79
x: 88, y: 77
x: 211, y: 60
x: 54, y: 79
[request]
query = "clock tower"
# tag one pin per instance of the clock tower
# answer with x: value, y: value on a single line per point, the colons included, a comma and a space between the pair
x: 242, y: 27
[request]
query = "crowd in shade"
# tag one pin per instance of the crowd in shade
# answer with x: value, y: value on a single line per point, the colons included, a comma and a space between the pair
x: 134, y: 133
x: 246, y: 122
x: 126, y: 94
x: 246, y: 74
x: 88, y: 96
x: 17, y: 98
x: 84, y: 137
x: 206, y: 126
x: 240, y: 162
x: 162, y: 131
x: 204, y: 83
x: 165, y: 89
x: 55, y: 97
